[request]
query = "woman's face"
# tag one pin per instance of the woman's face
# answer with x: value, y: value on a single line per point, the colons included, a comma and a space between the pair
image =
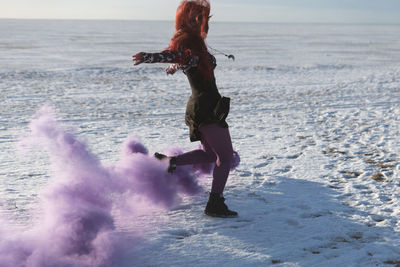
x: 199, y: 20
x: 206, y: 28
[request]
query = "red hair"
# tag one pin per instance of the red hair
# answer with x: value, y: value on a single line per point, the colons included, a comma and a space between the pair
x: 191, y: 28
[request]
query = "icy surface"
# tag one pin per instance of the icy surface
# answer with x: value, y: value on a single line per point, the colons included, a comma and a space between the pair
x: 315, y: 117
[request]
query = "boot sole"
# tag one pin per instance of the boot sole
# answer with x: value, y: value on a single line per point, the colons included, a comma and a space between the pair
x: 215, y: 215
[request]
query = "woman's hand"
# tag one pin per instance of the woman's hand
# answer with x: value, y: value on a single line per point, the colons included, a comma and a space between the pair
x: 139, y: 58
x: 172, y: 69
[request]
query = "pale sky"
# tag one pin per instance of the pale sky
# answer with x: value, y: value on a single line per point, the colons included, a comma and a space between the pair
x: 286, y: 11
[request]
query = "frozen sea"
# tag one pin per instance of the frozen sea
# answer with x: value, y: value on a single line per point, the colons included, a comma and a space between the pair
x: 315, y: 117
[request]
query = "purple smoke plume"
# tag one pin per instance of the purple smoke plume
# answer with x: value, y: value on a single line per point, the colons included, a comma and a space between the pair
x: 77, y: 227
x: 76, y: 222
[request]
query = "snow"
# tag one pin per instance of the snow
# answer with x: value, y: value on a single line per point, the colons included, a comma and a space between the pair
x: 315, y: 117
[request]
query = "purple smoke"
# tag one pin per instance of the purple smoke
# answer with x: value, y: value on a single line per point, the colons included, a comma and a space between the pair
x: 76, y: 222
x: 140, y: 174
x: 133, y: 145
x: 77, y: 227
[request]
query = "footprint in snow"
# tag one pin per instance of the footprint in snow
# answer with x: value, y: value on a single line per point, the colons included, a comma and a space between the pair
x: 356, y: 235
x: 243, y: 173
x: 295, y: 156
x: 315, y: 214
x: 377, y: 218
x: 181, y: 233
x: 286, y: 169
x: 261, y: 165
x: 329, y: 166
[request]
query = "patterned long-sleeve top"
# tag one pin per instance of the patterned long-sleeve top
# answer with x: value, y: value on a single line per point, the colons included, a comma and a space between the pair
x: 168, y: 56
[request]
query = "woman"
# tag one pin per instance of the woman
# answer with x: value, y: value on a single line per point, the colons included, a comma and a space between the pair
x: 206, y: 110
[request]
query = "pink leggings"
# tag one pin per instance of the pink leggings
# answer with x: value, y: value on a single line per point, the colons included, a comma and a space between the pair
x: 217, y: 147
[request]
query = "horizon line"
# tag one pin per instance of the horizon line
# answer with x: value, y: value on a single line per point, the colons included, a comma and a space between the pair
x: 216, y: 21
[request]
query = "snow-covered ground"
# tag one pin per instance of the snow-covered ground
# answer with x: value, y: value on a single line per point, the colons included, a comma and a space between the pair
x: 315, y: 117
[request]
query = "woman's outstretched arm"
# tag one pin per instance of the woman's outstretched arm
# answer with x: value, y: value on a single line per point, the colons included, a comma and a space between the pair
x: 168, y: 56
x: 165, y: 56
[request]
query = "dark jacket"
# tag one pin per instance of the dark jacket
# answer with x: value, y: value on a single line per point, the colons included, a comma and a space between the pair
x: 205, y: 105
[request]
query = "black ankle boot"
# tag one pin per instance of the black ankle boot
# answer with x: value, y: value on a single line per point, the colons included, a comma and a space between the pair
x: 216, y: 207
x: 172, y: 161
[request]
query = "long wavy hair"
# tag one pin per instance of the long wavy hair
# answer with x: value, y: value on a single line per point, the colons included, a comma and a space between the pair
x: 191, y: 28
